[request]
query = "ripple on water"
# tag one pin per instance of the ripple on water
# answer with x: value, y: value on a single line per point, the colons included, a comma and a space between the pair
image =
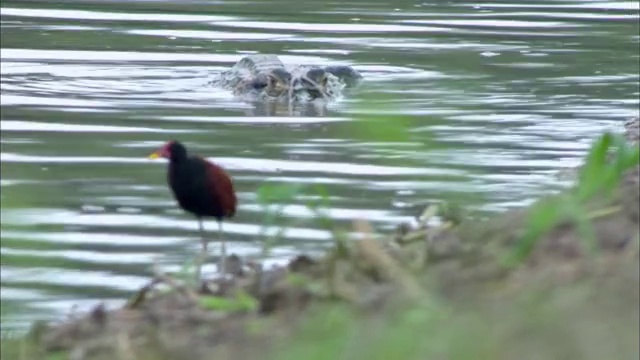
x: 118, y: 16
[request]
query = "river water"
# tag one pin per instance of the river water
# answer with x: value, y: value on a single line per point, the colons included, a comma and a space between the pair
x: 486, y: 101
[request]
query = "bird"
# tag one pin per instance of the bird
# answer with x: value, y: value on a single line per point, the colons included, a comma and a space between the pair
x: 202, y: 188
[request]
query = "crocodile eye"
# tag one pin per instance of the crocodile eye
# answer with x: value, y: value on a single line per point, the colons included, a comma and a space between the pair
x: 258, y: 85
x: 325, y: 80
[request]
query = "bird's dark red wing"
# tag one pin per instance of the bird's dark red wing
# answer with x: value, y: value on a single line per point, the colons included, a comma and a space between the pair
x: 220, y: 182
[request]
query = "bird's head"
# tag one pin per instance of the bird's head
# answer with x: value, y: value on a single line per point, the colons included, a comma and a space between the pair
x: 172, y: 150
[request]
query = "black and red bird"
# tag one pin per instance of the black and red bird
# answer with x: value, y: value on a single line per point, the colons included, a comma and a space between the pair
x: 201, y: 188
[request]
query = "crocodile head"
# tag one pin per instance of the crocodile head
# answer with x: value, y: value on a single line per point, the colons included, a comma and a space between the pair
x: 274, y: 83
x: 312, y: 82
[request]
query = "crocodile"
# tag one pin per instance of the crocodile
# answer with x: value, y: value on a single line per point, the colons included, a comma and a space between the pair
x: 266, y: 77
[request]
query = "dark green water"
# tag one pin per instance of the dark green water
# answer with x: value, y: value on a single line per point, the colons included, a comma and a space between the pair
x: 495, y: 96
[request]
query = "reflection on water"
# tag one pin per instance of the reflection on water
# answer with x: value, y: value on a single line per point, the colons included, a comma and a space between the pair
x: 495, y: 98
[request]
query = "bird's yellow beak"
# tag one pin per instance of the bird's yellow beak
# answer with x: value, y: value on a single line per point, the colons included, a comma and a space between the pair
x: 154, y: 155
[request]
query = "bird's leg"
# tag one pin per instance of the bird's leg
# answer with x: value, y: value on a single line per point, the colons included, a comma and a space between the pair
x: 203, y: 253
x: 223, y: 250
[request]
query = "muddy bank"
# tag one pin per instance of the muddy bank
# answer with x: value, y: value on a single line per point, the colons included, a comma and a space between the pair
x: 462, y: 263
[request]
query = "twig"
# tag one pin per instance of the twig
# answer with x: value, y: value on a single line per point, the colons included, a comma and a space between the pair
x: 388, y: 267
x: 185, y: 290
x: 124, y: 347
x: 141, y: 294
x: 160, y: 277
x: 604, y: 212
x: 422, y: 234
x: 341, y: 288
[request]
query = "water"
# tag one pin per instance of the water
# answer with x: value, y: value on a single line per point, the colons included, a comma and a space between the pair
x: 495, y: 97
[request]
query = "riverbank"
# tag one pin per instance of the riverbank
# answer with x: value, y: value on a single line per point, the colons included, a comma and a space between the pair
x: 558, y: 279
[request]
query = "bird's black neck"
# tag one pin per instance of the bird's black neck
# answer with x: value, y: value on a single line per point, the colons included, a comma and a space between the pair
x: 179, y: 159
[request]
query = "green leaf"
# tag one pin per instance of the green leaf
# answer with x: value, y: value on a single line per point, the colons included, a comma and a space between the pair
x: 592, y: 172
x: 581, y: 218
x: 241, y: 302
x: 296, y: 280
x: 542, y: 218
x: 246, y: 301
x: 602, y: 174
